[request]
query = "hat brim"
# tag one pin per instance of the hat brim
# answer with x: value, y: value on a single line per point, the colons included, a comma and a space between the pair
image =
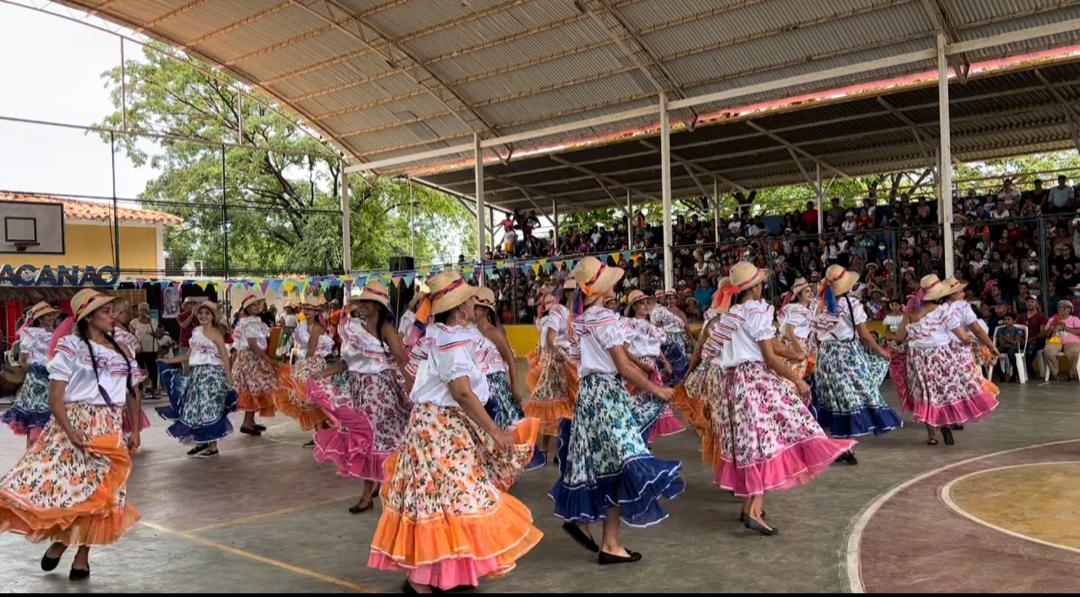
x: 845, y: 284
x: 958, y: 287
x: 607, y: 280
x: 94, y: 305
x: 367, y: 296
x: 758, y: 279
x: 941, y: 290
x: 454, y: 298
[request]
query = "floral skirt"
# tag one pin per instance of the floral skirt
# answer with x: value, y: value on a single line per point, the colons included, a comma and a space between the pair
x: 944, y: 387
x: 898, y: 370
x: 501, y: 405
x: 30, y: 412
x: 259, y: 382
x: 694, y: 399
x: 799, y: 367
x: 553, y: 380
x: 604, y: 461
x: 677, y: 351
x: 666, y: 423
x: 849, y: 382
x: 199, y: 404
x: 294, y: 402
x: 447, y: 518
x: 58, y: 492
x: 766, y: 437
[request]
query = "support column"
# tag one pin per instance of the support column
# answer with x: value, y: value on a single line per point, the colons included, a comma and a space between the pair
x: 716, y: 211
x: 629, y: 222
x: 555, y: 223
x: 346, y: 219
x: 478, y: 157
x: 491, y: 228
x: 665, y: 190
x: 820, y: 191
x: 945, y: 158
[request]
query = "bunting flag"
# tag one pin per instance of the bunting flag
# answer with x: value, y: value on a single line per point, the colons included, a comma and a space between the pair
x: 524, y: 269
x: 536, y: 268
x: 409, y: 279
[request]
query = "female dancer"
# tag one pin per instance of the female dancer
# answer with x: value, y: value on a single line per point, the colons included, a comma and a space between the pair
x: 259, y: 378
x: 676, y: 346
x: 200, y: 402
x: 606, y: 472
x: 848, y: 377
x: 795, y: 317
x: 943, y: 388
x: 447, y: 519
x: 643, y: 349
x: 767, y: 438
x: 372, y: 354
x: 553, y: 377
x: 314, y: 345
x: 982, y: 355
x: 30, y: 411
x: 70, y: 487
x: 122, y: 334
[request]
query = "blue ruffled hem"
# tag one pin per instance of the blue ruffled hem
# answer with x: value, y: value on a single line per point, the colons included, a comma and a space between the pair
x: 636, y: 489
x: 539, y: 460
x: 867, y: 420
x: 201, y: 434
x: 26, y: 419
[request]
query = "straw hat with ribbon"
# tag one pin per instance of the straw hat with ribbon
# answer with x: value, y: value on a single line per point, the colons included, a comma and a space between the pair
x: 955, y: 285
x: 743, y: 276
x: 635, y: 296
x: 373, y: 291
x: 719, y: 297
x: 931, y: 288
x: 836, y: 283
x: 250, y: 299
x: 448, y: 290
x: 485, y: 297
x: 87, y: 301
x: 36, y: 312
x: 218, y: 316
x: 594, y: 278
x: 312, y: 302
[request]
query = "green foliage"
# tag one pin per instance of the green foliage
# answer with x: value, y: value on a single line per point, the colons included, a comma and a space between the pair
x: 279, y: 201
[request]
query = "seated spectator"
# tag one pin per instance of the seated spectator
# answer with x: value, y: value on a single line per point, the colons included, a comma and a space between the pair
x: 1008, y: 193
x: 1062, y: 335
x: 1009, y: 340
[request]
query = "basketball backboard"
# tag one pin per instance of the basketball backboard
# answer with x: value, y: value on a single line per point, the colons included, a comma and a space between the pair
x: 31, y: 228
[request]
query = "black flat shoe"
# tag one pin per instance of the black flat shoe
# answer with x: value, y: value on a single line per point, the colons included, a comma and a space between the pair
x: 260, y: 427
x: 310, y: 444
x: 250, y: 431
x: 606, y: 558
x: 851, y: 459
x: 579, y: 535
x: 198, y: 448
x: 79, y: 574
x: 754, y: 525
x: 957, y: 427
x: 743, y: 517
x: 357, y: 509
x: 207, y: 453
x: 48, y: 564
x: 407, y: 587
x: 947, y: 434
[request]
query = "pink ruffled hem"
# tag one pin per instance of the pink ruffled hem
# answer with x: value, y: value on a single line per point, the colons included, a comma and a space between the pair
x: 352, y: 454
x: 143, y: 422
x: 20, y: 429
x: 962, y: 411
x: 667, y: 424
x: 444, y: 574
x: 795, y: 465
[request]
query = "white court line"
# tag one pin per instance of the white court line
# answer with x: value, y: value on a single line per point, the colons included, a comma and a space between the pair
x: 854, y: 548
x: 946, y: 496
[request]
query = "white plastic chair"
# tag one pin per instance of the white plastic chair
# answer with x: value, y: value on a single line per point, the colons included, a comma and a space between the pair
x: 1003, y: 359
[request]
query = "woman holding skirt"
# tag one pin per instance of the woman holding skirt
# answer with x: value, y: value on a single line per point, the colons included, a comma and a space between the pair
x: 850, y: 365
x: 259, y: 378
x: 676, y: 347
x: 606, y: 472
x: 943, y: 386
x: 447, y: 517
x: 314, y: 345
x: 767, y: 438
x: 70, y: 487
x: 643, y: 341
x: 30, y: 411
x: 200, y: 402
x: 372, y: 353
x: 552, y: 376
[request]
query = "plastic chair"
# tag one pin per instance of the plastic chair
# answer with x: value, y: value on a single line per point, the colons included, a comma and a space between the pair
x: 1003, y: 359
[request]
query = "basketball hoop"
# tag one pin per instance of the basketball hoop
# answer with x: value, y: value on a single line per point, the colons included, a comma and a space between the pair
x: 22, y: 246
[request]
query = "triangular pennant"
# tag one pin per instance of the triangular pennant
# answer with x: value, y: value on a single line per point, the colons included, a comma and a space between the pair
x: 397, y: 281
x: 202, y: 284
x: 548, y: 266
x: 264, y: 285
x: 489, y: 270
x: 614, y: 257
x: 139, y: 283
x: 524, y: 267
x: 536, y: 268
x: 288, y: 286
x: 626, y: 255
x: 409, y: 279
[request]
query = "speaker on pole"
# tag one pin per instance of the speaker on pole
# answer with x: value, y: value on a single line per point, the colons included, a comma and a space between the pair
x: 401, y: 294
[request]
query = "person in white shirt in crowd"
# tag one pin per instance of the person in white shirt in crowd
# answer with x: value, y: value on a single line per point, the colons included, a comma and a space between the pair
x: 150, y: 340
x: 849, y: 222
x: 1009, y: 194
x: 1060, y: 198
x: 80, y: 464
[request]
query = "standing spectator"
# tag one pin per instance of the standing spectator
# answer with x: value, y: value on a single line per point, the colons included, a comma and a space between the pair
x: 836, y: 212
x: 1008, y: 194
x: 148, y: 336
x: 1035, y: 322
x: 1061, y: 198
x: 809, y: 218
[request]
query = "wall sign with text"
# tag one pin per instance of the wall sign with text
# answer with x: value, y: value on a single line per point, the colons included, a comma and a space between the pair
x: 61, y: 275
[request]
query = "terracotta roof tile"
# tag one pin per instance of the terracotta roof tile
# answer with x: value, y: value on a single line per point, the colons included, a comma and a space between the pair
x: 89, y: 210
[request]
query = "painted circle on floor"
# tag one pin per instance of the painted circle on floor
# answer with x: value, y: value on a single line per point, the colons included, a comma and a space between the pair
x: 1039, y: 502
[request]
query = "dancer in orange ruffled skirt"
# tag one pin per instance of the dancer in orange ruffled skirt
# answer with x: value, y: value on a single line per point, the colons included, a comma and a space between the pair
x: 259, y: 378
x: 552, y: 376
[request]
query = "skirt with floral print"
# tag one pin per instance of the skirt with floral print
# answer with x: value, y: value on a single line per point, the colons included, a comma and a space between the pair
x: 799, y: 367
x: 849, y: 382
x: 694, y: 399
x: 677, y: 351
x: 58, y: 492
x: 666, y: 423
x: 199, y: 404
x: 604, y: 460
x: 259, y: 382
x: 294, y: 402
x: 766, y: 437
x: 447, y: 518
x: 30, y: 411
x: 944, y: 386
x: 898, y: 369
x: 501, y: 405
x: 553, y: 380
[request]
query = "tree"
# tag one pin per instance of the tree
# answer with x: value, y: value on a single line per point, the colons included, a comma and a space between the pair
x: 281, y: 204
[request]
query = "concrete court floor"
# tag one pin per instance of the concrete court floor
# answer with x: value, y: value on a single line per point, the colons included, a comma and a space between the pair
x: 264, y: 517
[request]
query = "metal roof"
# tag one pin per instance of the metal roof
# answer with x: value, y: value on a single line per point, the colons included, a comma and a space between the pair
x: 389, y: 78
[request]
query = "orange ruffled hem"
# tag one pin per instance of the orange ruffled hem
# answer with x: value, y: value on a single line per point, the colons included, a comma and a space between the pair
x: 97, y: 521
x: 694, y: 411
x: 548, y: 414
x: 308, y: 418
x: 265, y: 403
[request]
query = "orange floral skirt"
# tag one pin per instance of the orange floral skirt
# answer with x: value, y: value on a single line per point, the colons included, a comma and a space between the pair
x: 553, y: 381
x: 259, y: 383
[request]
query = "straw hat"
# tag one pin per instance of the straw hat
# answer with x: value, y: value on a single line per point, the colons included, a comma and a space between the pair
x: 218, y: 316
x: 87, y: 301
x: 485, y: 297
x: 547, y: 302
x: 659, y: 294
x: 797, y: 289
x: 570, y: 283
x: 840, y: 280
x: 594, y: 277
x: 636, y: 296
x: 312, y: 302
x: 745, y: 275
x: 40, y: 310
x: 372, y: 291
x: 671, y: 292
x: 933, y: 288
x: 448, y: 290
x: 250, y: 299
x: 955, y: 285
